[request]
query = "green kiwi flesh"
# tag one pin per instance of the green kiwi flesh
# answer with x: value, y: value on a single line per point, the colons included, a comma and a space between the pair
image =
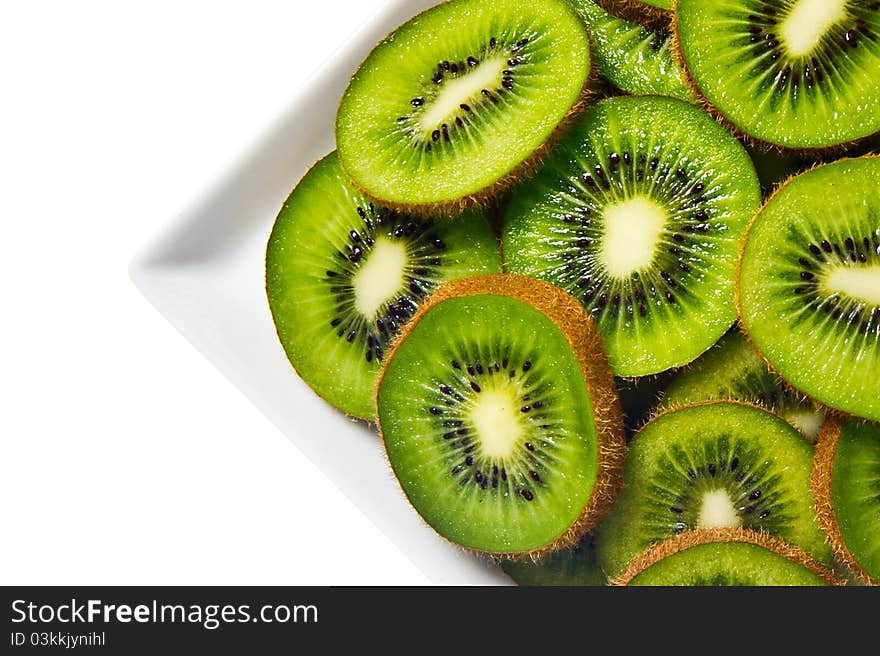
x: 795, y: 73
x: 853, y: 473
x: 491, y: 424
x: 343, y: 275
x: 636, y: 59
x: 727, y: 564
x: 638, y: 213
x: 809, y: 284
x: 732, y: 369
x: 453, y: 103
x: 576, y: 567
x: 712, y: 465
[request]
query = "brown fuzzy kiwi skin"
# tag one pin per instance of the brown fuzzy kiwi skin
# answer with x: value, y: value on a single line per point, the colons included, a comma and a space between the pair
x: 638, y: 12
x: 525, y: 169
x: 737, y: 280
x: 703, y: 101
x: 661, y: 412
x: 576, y: 324
x: 820, y: 484
x: 698, y: 537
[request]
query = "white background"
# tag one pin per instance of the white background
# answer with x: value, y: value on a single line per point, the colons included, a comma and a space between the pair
x: 126, y: 458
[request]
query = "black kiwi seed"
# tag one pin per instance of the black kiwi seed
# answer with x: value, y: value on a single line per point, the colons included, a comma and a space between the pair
x: 386, y: 325
x: 454, y: 392
x: 436, y: 138
x: 808, y: 70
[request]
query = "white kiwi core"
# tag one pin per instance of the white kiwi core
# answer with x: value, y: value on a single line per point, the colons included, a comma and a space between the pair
x: 494, y: 416
x: 808, y: 22
x: 380, y: 277
x: 860, y: 283
x: 467, y: 89
x: 806, y: 420
x: 633, y: 229
x: 717, y: 511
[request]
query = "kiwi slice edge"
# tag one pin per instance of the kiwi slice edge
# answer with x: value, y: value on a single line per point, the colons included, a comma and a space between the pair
x: 821, y: 483
x: 698, y: 537
x: 632, y: 57
x: 652, y: 13
x: 586, y: 344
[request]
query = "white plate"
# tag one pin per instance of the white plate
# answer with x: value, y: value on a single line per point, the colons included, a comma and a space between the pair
x: 206, y: 275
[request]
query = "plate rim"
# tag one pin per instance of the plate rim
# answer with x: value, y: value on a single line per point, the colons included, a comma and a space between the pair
x: 148, y: 268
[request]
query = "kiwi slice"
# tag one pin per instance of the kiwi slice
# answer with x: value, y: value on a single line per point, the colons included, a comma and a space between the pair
x: 795, y: 73
x: 343, y: 275
x: 499, y: 416
x: 732, y: 369
x: 712, y: 465
x: 724, y: 557
x: 846, y: 487
x: 809, y: 284
x: 454, y: 103
x: 638, y: 213
x: 577, y: 567
x: 635, y: 58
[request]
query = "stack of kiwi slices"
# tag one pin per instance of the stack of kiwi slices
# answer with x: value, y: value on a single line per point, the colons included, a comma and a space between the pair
x: 605, y: 278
